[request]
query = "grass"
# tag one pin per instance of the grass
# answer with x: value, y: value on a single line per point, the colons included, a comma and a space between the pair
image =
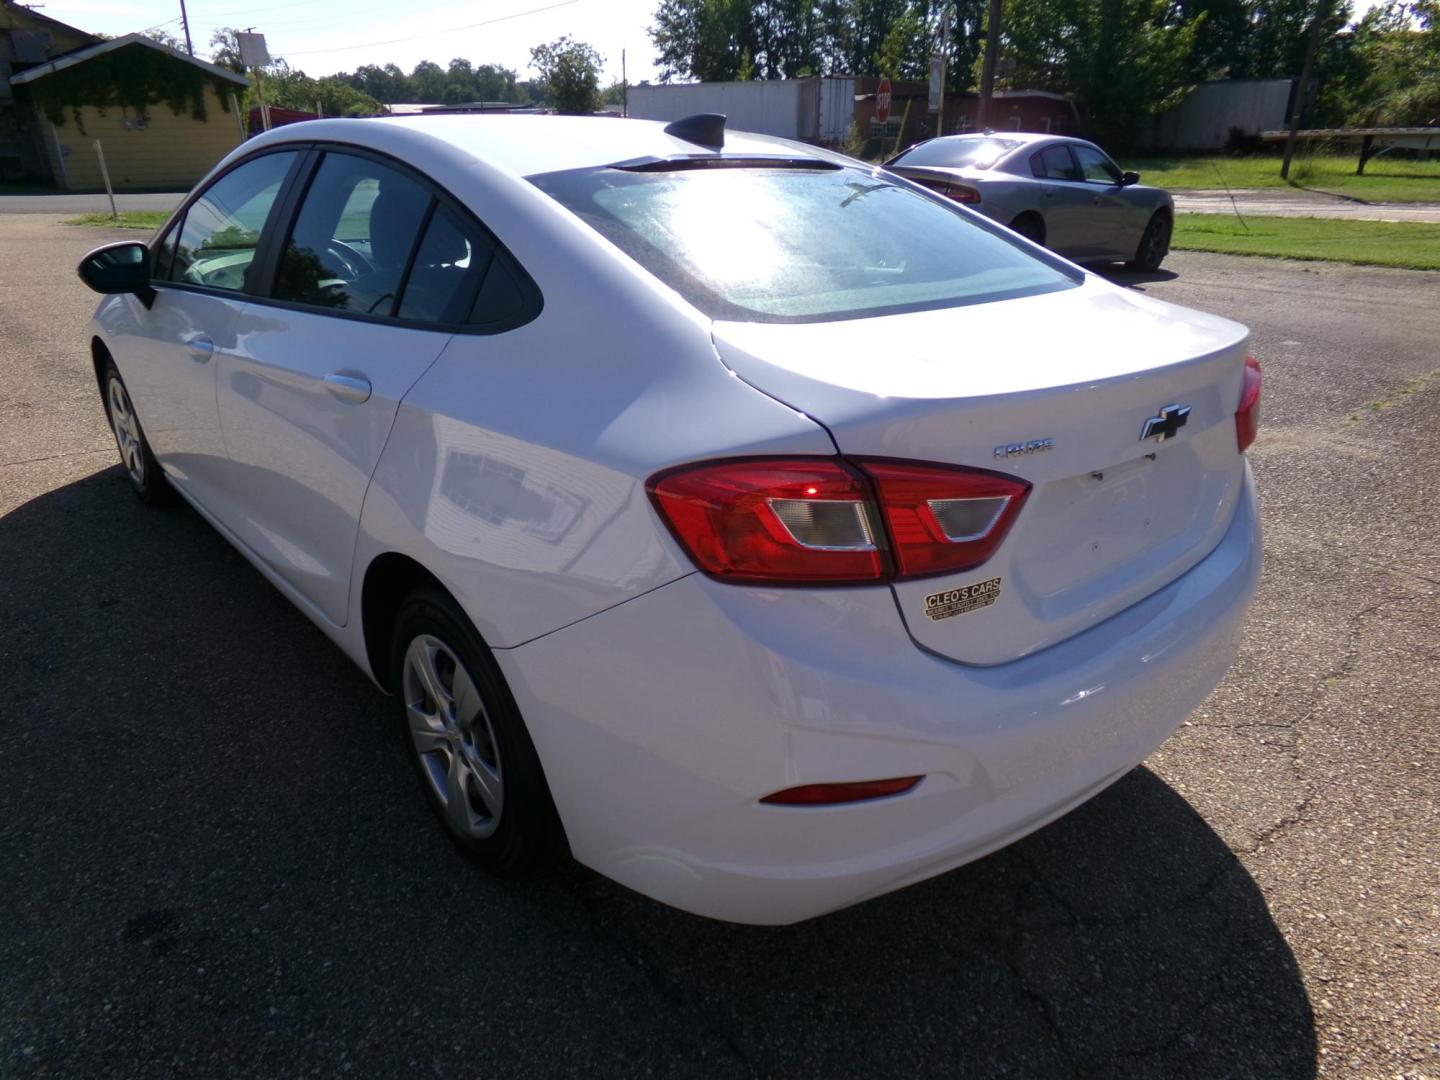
x: 1386, y: 179
x: 1404, y: 244
x: 128, y: 219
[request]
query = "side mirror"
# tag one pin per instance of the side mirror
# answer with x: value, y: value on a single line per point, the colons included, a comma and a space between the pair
x: 1128, y: 178
x: 119, y: 268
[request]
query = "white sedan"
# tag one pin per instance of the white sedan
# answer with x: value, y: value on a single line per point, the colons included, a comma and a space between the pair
x: 767, y: 530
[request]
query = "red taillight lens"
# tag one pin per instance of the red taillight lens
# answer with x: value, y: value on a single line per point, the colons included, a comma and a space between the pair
x: 829, y: 521
x: 1247, y: 417
x: 776, y: 520
x: 830, y: 794
x: 963, y: 194
x: 944, y: 519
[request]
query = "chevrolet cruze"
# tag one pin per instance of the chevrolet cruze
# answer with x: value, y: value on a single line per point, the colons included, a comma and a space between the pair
x: 764, y: 529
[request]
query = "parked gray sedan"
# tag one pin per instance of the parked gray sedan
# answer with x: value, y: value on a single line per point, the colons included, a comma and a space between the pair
x: 1064, y: 193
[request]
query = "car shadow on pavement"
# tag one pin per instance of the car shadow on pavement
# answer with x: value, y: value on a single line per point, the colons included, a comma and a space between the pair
x: 1134, y: 278
x: 217, y: 862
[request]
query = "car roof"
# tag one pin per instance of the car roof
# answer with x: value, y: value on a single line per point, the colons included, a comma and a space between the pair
x: 526, y: 145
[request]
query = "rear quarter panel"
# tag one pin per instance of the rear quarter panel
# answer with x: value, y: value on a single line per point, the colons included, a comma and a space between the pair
x: 516, y: 469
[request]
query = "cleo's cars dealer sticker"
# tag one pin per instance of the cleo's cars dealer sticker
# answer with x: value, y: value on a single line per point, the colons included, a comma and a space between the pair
x: 962, y: 601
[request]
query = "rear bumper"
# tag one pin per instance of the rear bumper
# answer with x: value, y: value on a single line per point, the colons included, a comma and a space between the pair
x: 663, y: 721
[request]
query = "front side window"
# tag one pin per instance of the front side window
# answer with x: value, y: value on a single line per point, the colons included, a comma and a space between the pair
x: 1098, y: 168
x: 222, y: 227
x: 794, y: 245
x: 356, y: 230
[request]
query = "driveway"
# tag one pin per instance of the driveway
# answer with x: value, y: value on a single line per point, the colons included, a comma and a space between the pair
x: 1299, y: 202
x: 216, y: 862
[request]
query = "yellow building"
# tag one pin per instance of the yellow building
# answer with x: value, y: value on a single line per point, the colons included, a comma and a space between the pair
x: 160, y: 144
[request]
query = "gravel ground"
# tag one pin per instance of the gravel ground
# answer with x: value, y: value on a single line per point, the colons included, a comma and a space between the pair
x: 214, y: 861
x: 1282, y: 202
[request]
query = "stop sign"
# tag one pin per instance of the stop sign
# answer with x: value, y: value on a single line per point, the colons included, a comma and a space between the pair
x: 882, y: 101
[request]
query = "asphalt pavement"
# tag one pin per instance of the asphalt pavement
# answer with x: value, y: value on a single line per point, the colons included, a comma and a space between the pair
x: 215, y: 862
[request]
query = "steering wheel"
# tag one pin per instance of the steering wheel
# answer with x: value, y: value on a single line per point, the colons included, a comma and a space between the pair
x: 351, y: 261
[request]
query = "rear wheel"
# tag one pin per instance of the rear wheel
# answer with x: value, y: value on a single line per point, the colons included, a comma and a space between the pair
x: 1154, y: 244
x: 1031, y: 227
x: 141, y: 468
x: 473, y: 755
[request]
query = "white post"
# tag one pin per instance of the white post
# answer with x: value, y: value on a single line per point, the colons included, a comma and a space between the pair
x: 240, y: 120
x: 105, y: 173
x: 60, y: 158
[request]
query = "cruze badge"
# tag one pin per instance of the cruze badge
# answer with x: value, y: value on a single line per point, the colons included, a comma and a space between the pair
x: 1165, y: 426
x: 1016, y: 449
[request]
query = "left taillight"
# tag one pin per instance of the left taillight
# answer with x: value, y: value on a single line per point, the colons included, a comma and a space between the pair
x: 1247, y: 416
x: 835, y: 521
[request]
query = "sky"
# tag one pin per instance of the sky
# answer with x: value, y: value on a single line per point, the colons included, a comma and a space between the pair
x: 325, y: 36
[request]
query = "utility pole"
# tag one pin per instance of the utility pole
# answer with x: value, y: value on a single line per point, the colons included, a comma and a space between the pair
x: 185, y: 22
x: 944, y: 38
x: 1321, y: 9
x: 987, y: 69
x: 624, y: 87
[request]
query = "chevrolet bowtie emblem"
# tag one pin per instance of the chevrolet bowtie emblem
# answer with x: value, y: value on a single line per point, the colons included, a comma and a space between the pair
x: 1165, y: 426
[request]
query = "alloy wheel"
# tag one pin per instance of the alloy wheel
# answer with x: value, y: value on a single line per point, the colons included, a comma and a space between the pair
x: 453, y: 737
x: 127, y: 431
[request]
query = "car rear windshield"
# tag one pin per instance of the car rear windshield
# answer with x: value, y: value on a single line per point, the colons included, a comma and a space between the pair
x: 798, y: 245
x: 978, y: 152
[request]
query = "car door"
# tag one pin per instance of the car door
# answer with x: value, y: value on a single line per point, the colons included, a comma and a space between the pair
x: 202, y: 266
x: 1111, y: 233
x: 1065, y: 200
x: 371, y: 280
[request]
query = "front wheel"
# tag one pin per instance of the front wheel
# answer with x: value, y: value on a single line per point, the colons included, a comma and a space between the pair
x: 141, y: 468
x: 1154, y: 244
x: 474, y: 757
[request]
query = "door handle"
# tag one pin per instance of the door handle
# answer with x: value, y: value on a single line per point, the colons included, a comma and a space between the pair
x: 347, y: 387
x: 201, y: 348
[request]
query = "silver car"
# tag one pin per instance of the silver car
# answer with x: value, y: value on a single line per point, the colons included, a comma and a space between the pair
x: 1064, y: 193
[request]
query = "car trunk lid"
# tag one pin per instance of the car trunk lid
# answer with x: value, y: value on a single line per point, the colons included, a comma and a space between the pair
x: 1054, y: 389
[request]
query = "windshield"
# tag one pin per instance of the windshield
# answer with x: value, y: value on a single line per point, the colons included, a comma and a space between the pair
x: 978, y: 152
x: 788, y: 245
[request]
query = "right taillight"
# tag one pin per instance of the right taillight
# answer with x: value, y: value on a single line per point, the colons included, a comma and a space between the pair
x: 834, y: 521
x: 1247, y: 416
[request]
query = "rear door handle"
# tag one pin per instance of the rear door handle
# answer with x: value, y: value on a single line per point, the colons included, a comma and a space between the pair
x: 348, y: 387
x: 201, y: 348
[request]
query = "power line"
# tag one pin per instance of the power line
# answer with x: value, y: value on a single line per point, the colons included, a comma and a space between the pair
x: 432, y: 33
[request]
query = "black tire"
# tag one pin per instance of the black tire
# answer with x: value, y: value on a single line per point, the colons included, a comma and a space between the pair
x: 1031, y: 227
x: 142, y: 471
x: 1154, y: 244
x: 525, y: 835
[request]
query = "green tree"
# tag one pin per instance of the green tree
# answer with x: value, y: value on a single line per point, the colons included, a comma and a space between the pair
x: 1395, y: 74
x: 1123, y: 61
x: 570, y: 72
x: 428, y: 82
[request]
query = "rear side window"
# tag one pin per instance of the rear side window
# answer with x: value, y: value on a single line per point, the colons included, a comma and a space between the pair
x: 794, y: 245
x: 353, y: 238
x: 1055, y: 163
x: 222, y: 227
x: 451, y: 262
